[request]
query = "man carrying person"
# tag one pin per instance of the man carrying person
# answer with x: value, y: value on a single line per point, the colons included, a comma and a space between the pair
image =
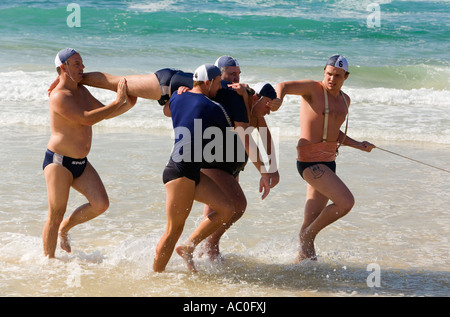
x: 193, y: 112
x: 73, y: 112
x: 239, y: 100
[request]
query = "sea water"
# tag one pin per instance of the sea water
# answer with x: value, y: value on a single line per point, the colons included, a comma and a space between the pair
x: 400, y: 101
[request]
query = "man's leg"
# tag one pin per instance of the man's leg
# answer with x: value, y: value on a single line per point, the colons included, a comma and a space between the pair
x: 179, y: 199
x: 143, y: 86
x: 91, y: 186
x: 315, y: 204
x: 323, y: 185
x: 230, y: 186
x: 207, y: 192
x: 58, y: 180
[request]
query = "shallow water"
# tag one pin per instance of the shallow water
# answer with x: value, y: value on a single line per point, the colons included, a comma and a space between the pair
x: 399, y: 223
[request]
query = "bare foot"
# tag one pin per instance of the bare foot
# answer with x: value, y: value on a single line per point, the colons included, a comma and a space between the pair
x: 212, y: 251
x: 307, y: 250
x: 64, y: 241
x: 186, y: 253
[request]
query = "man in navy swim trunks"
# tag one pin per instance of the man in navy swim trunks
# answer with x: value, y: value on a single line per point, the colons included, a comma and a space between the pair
x: 73, y: 111
x: 193, y: 113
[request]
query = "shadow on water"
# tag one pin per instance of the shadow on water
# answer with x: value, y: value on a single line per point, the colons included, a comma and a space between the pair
x: 333, y: 279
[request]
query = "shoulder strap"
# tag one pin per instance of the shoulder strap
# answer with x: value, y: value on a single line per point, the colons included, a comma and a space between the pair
x: 346, y: 124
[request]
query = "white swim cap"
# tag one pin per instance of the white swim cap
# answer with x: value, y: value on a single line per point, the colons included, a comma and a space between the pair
x: 338, y: 61
x: 206, y: 72
x: 63, y: 55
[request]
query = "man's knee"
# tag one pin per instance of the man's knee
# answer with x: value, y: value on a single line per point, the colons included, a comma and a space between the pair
x: 228, y: 212
x: 347, y: 204
x: 100, y: 205
x: 240, y: 205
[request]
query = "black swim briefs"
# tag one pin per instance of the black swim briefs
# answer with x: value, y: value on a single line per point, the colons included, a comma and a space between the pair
x: 75, y: 166
x: 301, y: 166
x: 175, y: 170
x: 170, y: 80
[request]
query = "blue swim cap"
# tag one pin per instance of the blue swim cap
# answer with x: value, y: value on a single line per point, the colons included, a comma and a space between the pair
x: 265, y: 90
x: 63, y: 55
x: 224, y: 61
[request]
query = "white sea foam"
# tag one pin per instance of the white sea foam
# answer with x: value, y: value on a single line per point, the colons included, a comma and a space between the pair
x: 376, y: 113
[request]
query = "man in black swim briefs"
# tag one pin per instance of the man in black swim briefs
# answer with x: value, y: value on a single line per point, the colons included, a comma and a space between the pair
x: 324, y: 108
x: 75, y: 166
x: 192, y: 112
x: 73, y: 111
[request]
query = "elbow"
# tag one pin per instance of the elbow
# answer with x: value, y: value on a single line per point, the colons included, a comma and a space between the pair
x: 279, y: 87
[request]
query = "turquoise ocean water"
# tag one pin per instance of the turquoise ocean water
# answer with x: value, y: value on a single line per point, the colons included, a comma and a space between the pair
x: 399, y: 83
x: 399, y: 64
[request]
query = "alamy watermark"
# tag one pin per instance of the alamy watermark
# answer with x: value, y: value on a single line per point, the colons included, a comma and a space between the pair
x: 374, y: 18
x: 213, y: 144
x: 374, y: 278
x: 74, y: 18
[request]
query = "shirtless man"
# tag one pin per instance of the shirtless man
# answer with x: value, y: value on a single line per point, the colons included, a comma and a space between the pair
x: 73, y: 111
x: 323, y: 110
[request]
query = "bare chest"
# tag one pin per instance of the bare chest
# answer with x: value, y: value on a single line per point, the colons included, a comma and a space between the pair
x: 316, y: 110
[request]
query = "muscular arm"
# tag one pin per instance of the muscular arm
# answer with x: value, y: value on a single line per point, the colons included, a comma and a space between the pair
x: 269, y: 146
x: 130, y: 102
x: 268, y: 179
x: 298, y: 87
x: 348, y: 141
x: 249, y: 144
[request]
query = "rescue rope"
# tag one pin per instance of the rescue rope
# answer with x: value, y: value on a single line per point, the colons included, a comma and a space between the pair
x: 408, y: 158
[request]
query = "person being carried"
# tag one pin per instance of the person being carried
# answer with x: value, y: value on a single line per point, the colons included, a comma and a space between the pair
x: 156, y: 86
x: 73, y: 112
x: 323, y: 110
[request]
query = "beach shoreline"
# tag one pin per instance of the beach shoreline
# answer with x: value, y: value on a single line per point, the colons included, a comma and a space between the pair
x: 120, y: 244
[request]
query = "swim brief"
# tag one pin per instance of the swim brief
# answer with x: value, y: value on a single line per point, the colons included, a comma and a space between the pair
x: 301, y: 166
x: 175, y: 170
x: 170, y: 80
x: 75, y: 166
x: 233, y: 167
